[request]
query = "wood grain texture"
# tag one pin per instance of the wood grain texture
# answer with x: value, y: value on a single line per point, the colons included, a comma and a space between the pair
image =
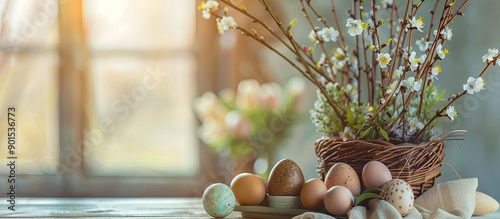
x: 131, y: 207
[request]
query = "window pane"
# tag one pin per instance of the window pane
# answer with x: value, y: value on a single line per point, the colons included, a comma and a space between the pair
x: 143, y: 110
x: 140, y: 25
x: 28, y: 23
x: 28, y: 82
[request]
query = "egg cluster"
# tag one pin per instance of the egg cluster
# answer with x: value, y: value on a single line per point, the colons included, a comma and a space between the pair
x: 286, y: 188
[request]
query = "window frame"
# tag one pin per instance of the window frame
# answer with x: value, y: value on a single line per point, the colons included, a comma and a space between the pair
x: 72, y: 179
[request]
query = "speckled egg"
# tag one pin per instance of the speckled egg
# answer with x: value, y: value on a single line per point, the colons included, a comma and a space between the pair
x: 399, y: 194
x: 342, y: 174
x: 218, y: 200
x: 286, y: 179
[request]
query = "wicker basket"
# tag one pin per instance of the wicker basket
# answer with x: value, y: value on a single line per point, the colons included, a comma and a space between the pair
x: 416, y: 164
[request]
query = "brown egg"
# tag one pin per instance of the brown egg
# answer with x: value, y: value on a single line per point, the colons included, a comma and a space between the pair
x: 375, y: 174
x: 285, y: 179
x: 341, y: 174
x: 312, y: 194
x: 248, y: 189
x: 338, y: 201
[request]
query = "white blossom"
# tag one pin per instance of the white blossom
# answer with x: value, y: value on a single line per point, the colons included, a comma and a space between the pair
x: 224, y: 23
x: 436, y: 70
x: 447, y: 33
x: 383, y: 59
x: 414, y: 124
x: 367, y: 112
x: 441, y: 52
x: 392, y: 86
x: 312, y: 35
x: 416, y: 23
x: 339, y: 58
x: 205, y: 14
x: 451, y: 113
x: 328, y: 34
x: 354, y: 27
x: 414, y: 61
x: 422, y: 44
x: 412, y: 111
x: 411, y: 84
x: 322, y: 59
x: 399, y: 71
x: 423, y: 57
x: 382, y: 100
x: 492, y: 54
x: 474, y: 85
x: 387, y: 3
x: 207, y: 7
x: 347, y: 134
x: 211, y: 5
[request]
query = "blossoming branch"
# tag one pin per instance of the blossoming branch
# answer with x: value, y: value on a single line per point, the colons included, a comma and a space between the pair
x: 375, y: 70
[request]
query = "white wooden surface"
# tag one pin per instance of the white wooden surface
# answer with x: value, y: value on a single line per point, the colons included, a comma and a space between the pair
x: 114, y: 208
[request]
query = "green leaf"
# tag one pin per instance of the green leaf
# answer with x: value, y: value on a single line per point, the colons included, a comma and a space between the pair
x: 364, y: 25
x: 350, y: 117
x: 361, y: 118
x: 365, y: 132
x: 373, y: 190
x: 391, y: 120
x: 440, y: 98
x: 388, y: 41
x: 358, y: 126
x: 366, y: 196
x: 292, y: 22
x: 383, y: 133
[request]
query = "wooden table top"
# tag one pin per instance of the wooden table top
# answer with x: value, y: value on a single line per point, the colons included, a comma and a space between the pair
x: 107, y: 207
x: 115, y: 208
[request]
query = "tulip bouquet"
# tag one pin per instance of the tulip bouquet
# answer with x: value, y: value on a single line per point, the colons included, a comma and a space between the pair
x: 375, y: 70
x: 249, y: 119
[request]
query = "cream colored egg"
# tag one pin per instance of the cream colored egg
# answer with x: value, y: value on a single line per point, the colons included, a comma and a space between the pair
x: 399, y: 194
x: 341, y: 174
x: 338, y: 201
x: 248, y: 189
x: 485, y: 204
x: 375, y: 174
x: 312, y: 194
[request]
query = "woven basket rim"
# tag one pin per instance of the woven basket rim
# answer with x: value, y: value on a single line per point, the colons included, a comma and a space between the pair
x: 418, y: 164
x: 381, y: 142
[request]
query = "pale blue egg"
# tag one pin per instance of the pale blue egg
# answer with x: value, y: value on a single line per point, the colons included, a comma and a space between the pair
x: 218, y: 200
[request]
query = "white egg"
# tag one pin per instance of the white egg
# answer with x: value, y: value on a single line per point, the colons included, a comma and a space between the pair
x: 399, y: 194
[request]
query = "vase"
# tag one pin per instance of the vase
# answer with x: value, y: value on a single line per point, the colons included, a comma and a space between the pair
x: 258, y: 162
x: 237, y: 165
x: 417, y: 164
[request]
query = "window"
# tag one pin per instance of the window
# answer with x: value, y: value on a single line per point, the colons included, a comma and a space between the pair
x: 103, y: 93
x: 141, y: 84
